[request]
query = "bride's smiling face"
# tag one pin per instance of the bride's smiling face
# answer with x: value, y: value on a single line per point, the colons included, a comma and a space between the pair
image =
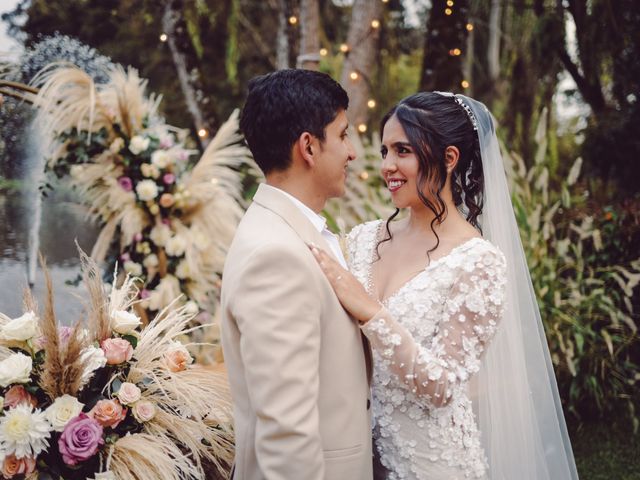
x: 400, y: 167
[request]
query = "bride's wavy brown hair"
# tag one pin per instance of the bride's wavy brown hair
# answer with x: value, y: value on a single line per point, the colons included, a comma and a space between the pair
x: 433, y: 122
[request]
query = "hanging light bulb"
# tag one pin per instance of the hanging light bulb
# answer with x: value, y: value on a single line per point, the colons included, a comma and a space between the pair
x: 202, y: 133
x: 344, y: 48
x: 464, y: 84
x: 448, y: 11
x: 364, y: 175
x: 362, y: 128
x: 469, y: 27
x: 163, y: 37
x: 371, y: 103
x: 449, y: 3
x: 293, y: 19
x: 354, y: 76
x: 375, y: 23
x: 323, y: 52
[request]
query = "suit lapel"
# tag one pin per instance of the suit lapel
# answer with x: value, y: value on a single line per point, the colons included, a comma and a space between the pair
x: 272, y: 199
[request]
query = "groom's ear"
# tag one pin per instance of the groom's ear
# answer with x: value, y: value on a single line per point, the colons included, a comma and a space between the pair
x: 306, y: 148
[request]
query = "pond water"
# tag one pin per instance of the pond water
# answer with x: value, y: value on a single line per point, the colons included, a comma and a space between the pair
x: 63, y: 221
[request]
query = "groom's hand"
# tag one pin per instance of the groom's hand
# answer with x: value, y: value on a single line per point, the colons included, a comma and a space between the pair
x: 352, y: 295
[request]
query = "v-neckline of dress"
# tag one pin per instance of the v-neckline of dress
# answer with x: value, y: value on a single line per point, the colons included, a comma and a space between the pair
x: 372, y: 287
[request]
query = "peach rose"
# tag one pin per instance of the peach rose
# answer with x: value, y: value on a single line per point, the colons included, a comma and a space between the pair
x: 14, y: 466
x: 17, y: 395
x: 177, y: 358
x: 117, y: 350
x: 166, y: 200
x: 108, y: 413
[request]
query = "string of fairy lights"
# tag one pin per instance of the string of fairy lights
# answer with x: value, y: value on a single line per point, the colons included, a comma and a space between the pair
x: 356, y: 75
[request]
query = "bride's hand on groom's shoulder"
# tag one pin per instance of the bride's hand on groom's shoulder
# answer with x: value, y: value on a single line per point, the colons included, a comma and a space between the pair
x: 352, y: 295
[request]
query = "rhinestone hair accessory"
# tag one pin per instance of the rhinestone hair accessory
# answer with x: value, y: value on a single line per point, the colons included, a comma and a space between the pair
x: 467, y: 109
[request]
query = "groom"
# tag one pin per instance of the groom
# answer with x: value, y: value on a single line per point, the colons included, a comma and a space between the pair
x: 296, y: 363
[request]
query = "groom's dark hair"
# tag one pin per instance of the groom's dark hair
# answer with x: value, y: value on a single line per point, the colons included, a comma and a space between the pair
x: 280, y: 106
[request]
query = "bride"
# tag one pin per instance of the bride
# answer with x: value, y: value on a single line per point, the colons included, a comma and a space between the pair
x: 463, y: 384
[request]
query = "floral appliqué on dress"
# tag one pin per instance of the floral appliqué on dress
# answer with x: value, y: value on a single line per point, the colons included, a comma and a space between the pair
x: 427, y: 344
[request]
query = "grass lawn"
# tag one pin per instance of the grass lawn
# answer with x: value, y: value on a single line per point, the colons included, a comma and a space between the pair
x: 606, y: 450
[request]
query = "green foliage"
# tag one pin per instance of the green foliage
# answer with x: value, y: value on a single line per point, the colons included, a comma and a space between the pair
x: 585, y: 295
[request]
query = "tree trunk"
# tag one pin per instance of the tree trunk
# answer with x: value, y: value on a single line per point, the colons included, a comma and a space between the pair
x: 188, y: 74
x: 444, y: 42
x: 360, y: 59
x: 309, y: 57
x: 493, y: 49
x: 282, y: 40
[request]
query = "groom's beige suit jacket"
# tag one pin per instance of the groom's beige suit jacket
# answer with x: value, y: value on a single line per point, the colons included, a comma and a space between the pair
x: 296, y: 361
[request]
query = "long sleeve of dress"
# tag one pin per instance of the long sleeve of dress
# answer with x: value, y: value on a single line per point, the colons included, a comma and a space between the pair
x: 471, y: 315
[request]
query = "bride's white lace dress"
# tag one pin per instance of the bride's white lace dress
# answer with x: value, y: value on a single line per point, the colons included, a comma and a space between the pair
x: 427, y: 343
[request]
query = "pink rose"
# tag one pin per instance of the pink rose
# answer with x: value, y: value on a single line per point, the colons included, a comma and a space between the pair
x: 144, y: 293
x: 125, y: 183
x: 108, y: 413
x: 168, y: 178
x: 14, y: 466
x: 143, y: 411
x: 129, y: 393
x: 117, y: 350
x: 80, y: 439
x: 17, y: 395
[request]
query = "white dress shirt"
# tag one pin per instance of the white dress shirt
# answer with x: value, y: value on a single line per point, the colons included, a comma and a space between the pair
x: 320, y: 223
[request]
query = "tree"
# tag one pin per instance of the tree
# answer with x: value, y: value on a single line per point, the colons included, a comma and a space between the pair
x: 309, y: 57
x: 444, y: 41
x: 359, y: 61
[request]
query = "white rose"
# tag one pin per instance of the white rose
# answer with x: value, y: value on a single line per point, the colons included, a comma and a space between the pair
x: 143, y: 411
x: 151, y: 261
x: 92, y: 358
x: 129, y: 393
x: 123, y: 322
x: 138, y: 144
x: 175, y: 246
x: 182, y: 270
x: 117, y: 145
x: 191, y: 307
x: 62, y: 410
x: 147, y: 190
x: 160, y: 234
x: 161, y: 159
x: 149, y: 170
x: 15, y: 369
x: 20, y: 329
x: 132, y: 268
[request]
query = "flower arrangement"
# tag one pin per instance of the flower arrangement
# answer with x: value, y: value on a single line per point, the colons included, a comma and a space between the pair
x: 167, y: 223
x: 108, y: 399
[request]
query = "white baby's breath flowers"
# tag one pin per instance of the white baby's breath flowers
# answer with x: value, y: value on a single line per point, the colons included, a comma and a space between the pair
x: 175, y: 246
x: 124, y: 322
x: 15, y: 369
x: 147, y: 190
x: 160, y: 234
x: 108, y: 475
x: 149, y: 171
x: 20, y: 329
x: 62, y: 411
x: 138, y: 144
x: 132, y: 268
x: 191, y: 307
x: 182, y: 270
x: 161, y: 158
x: 150, y: 261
